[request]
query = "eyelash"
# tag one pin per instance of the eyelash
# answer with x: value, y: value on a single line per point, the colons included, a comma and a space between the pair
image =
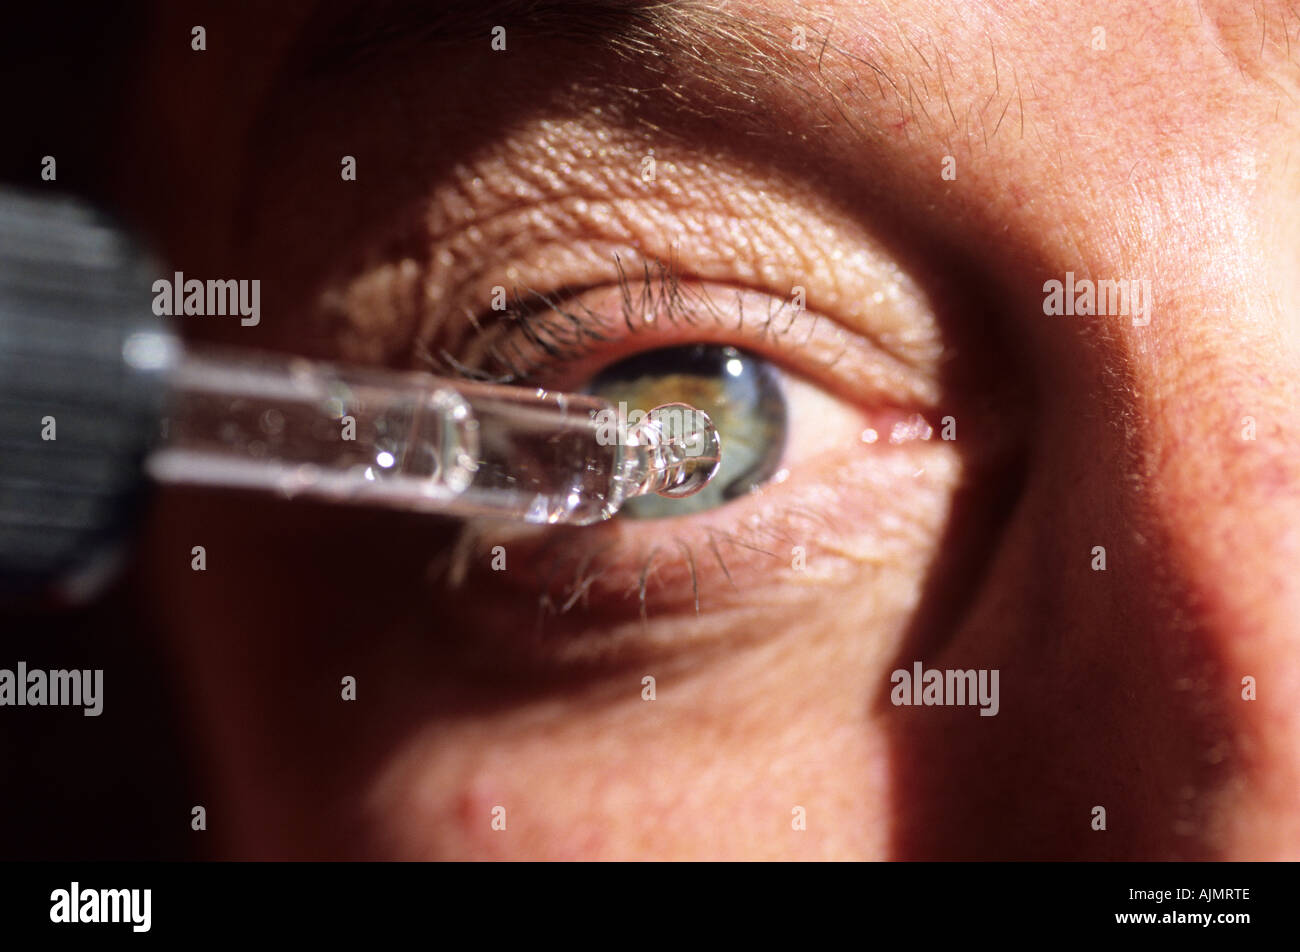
x: 558, y: 600
x: 559, y: 330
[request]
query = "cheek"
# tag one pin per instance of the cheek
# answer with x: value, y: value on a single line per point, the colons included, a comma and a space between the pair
x: 769, y: 702
x: 775, y: 749
x: 770, y: 754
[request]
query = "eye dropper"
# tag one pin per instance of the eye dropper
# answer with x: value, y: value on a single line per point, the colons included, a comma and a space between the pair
x: 413, y: 441
x: 88, y: 373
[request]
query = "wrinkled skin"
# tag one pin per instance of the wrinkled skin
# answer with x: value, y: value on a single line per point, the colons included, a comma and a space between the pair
x: 1166, y: 156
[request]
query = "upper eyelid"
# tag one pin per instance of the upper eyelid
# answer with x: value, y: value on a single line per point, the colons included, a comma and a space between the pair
x: 518, y: 214
x: 805, y: 342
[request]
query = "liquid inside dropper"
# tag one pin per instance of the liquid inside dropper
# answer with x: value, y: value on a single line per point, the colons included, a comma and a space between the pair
x: 411, y: 441
x: 674, y: 452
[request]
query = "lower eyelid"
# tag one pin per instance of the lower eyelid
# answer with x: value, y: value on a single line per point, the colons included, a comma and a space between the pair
x: 867, y: 504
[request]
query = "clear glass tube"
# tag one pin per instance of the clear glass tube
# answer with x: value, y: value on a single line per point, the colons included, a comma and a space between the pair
x: 413, y: 441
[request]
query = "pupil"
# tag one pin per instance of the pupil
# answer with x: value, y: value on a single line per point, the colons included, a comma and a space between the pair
x: 741, y: 392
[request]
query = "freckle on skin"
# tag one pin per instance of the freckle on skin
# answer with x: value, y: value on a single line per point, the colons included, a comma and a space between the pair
x: 473, y: 811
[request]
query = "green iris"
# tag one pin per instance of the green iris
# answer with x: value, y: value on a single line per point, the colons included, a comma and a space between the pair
x: 740, y: 392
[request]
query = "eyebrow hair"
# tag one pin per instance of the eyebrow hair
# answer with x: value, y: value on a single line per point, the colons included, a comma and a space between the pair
x: 738, y: 57
x: 680, y: 46
x: 350, y: 32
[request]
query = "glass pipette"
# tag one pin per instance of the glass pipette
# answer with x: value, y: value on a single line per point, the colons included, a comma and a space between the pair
x: 414, y: 441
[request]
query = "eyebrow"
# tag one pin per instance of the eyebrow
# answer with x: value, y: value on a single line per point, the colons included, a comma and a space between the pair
x: 348, y: 33
x: 738, y: 58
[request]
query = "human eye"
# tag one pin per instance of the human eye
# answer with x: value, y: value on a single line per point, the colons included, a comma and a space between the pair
x: 833, y: 458
x: 771, y: 377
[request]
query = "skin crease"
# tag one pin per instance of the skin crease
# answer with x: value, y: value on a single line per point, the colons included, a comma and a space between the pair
x: 1165, y: 156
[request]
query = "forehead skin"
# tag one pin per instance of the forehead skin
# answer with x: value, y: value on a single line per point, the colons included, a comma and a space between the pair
x: 1162, y: 152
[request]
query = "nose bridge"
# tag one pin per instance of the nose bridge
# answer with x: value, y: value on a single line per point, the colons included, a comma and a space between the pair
x: 1220, y: 481
x: 1153, y: 558
x: 1230, y: 501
